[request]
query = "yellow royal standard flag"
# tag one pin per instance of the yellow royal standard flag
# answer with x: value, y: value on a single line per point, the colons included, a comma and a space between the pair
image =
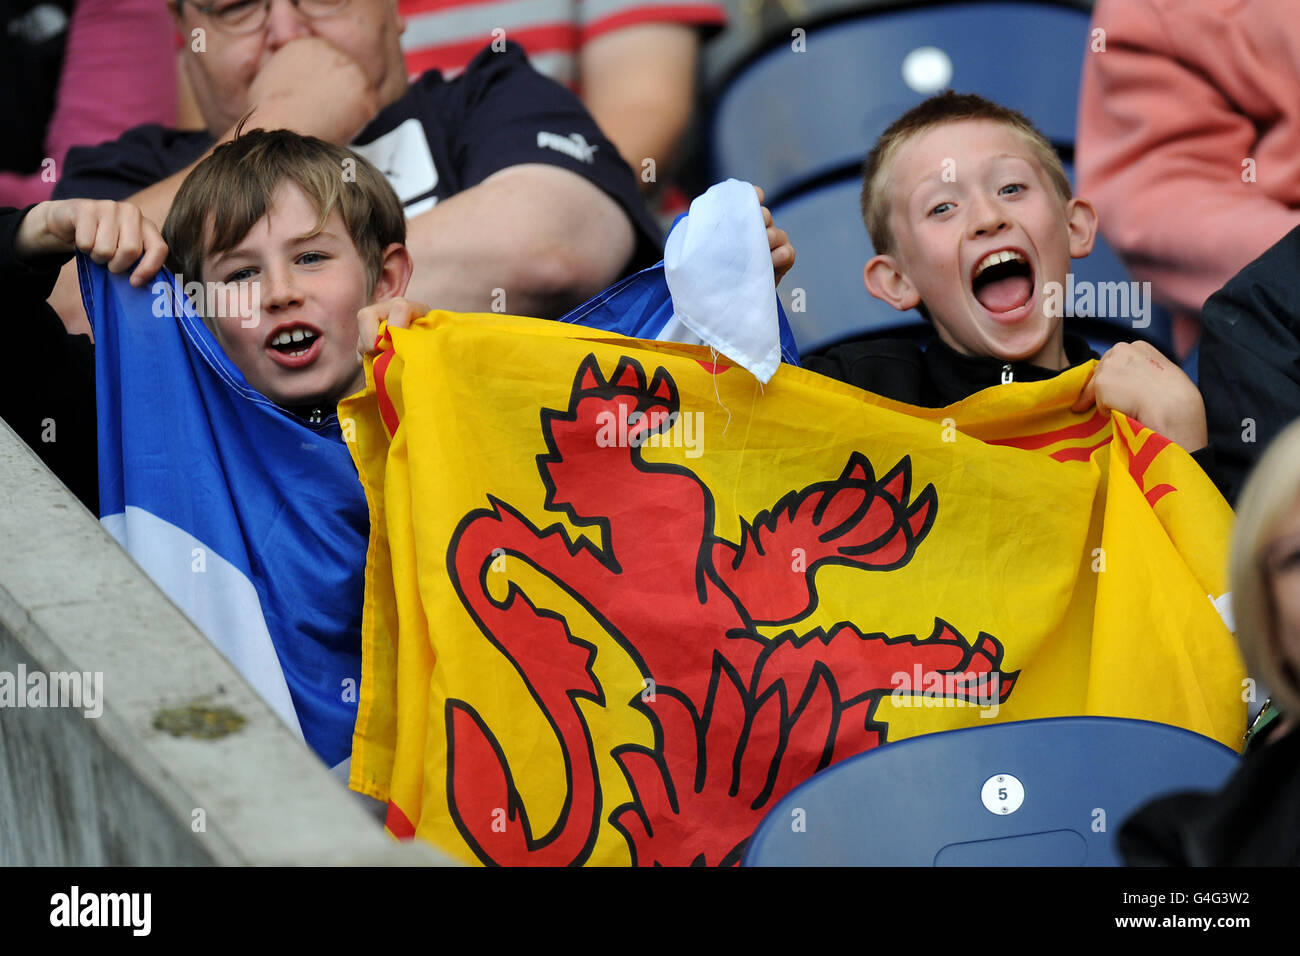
x: 620, y: 597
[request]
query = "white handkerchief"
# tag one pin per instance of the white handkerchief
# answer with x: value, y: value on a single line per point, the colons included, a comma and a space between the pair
x: 719, y: 271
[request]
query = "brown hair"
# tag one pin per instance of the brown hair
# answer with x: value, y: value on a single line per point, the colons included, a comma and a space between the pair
x: 219, y: 202
x: 938, y: 110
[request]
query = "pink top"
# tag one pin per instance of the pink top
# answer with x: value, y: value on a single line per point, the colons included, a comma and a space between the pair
x: 119, y: 71
x: 1185, y: 92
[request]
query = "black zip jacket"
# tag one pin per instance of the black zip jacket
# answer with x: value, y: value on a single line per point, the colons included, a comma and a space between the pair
x: 931, y: 378
x: 937, y: 375
x: 1250, y: 362
x: 47, y: 377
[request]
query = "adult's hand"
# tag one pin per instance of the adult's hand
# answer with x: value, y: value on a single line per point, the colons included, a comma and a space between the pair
x: 312, y: 87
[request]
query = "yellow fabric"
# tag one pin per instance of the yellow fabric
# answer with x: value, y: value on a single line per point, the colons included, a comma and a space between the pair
x: 628, y: 651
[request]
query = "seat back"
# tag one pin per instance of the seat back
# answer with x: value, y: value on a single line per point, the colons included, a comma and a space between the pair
x: 788, y: 117
x: 1034, y: 793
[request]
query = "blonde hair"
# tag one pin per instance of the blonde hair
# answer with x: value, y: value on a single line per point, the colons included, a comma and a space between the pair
x: 939, y: 110
x: 1271, y: 493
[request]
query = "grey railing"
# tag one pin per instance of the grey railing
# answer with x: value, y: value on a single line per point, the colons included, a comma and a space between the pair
x: 184, y: 763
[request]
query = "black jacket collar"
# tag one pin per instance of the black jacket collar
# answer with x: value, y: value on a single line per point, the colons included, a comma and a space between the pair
x: 956, y: 376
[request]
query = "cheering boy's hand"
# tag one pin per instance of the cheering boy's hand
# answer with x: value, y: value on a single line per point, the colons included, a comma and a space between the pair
x: 399, y: 313
x: 116, y: 233
x: 1134, y: 378
x: 777, y: 241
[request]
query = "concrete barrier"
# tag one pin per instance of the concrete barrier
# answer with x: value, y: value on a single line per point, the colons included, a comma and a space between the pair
x: 185, y: 764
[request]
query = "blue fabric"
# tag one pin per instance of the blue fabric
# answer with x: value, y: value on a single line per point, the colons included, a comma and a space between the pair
x: 184, y: 437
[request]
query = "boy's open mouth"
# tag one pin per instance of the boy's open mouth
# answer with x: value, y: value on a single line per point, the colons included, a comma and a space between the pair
x: 294, y: 346
x: 1003, y: 281
x: 294, y: 341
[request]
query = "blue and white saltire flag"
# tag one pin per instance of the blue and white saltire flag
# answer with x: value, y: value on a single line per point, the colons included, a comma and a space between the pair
x: 250, y: 519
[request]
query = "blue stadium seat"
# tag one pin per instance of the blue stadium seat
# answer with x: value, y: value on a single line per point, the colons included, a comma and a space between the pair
x: 824, y: 297
x: 949, y: 799
x: 789, y: 118
x: 799, y: 124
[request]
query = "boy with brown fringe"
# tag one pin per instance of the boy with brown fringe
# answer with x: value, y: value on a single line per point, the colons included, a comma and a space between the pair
x: 316, y: 233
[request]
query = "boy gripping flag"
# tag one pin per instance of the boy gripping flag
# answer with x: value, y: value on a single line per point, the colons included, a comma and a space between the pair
x: 640, y: 644
x: 973, y: 222
x: 225, y: 470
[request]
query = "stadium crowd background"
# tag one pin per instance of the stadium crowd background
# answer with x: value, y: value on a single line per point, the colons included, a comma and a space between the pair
x: 1178, y: 118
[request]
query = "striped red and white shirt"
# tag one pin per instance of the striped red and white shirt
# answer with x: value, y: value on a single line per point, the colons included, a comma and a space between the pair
x: 445, y: 34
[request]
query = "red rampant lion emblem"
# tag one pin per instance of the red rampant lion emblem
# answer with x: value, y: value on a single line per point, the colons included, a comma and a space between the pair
x: 738, y: 718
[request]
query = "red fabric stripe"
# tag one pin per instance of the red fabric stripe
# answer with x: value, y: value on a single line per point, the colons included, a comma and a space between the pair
x: 1079, y: 454
x: 386, y: 409
x: 713, y: 368
x: 694, y: 14
x: 553, y: 38
x: 398, y: 824
x: 1153, y: 446
x: 1081, y: 430
x: 1158, y: 492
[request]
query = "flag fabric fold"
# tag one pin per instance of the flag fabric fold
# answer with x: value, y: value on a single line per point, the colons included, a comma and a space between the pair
x: 621, y: 598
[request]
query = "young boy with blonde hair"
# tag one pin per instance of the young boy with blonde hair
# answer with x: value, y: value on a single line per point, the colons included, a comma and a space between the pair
x: 972, y: 219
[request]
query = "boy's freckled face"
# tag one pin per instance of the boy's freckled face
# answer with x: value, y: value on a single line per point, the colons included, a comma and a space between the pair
x: 300, y: 348
x: 960, y: 193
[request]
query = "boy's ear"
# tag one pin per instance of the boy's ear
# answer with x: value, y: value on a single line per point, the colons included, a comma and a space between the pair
x: 1081, y: 220
x: 886, y: 280
x: 394, y: 274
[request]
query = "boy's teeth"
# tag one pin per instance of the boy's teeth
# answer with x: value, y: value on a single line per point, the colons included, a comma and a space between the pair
x: 997, y: 258
x: 289, y: 337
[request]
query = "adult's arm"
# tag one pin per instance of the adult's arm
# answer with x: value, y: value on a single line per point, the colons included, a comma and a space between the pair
x: 1250, y: 362
x: 545, y: 236
x: 639, y: 84
x: 547, y: 212
x: 1161, y: 147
